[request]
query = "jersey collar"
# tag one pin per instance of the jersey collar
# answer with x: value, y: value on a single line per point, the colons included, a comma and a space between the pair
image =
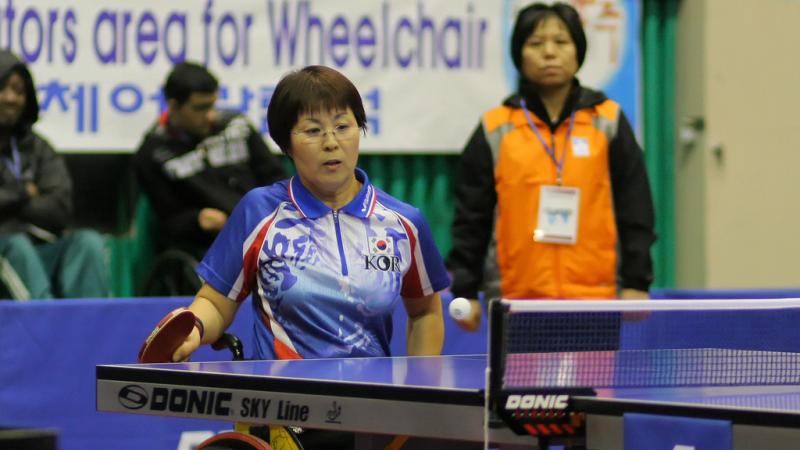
x: 310, y: 206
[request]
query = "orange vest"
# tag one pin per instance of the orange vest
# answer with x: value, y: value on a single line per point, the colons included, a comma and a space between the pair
x: 530, y: 269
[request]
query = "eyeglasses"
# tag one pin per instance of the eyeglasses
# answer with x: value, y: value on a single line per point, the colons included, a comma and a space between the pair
x: 316, y: 135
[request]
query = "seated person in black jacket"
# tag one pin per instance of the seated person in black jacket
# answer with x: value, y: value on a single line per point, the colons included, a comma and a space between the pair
x: 39, y: 256
x: 196, y: 161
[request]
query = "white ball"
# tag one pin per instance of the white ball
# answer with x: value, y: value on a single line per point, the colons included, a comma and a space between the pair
x: 460, y: 308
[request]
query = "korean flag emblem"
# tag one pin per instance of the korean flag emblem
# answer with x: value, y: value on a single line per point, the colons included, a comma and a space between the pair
x: 380, y: 246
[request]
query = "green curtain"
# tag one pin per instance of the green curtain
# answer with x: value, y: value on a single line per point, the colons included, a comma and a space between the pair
x: 423, y: 181
x: 133, y: 250
x: 658, y: 61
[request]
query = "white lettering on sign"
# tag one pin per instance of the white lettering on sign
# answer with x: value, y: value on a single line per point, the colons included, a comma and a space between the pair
x: 537, y: 402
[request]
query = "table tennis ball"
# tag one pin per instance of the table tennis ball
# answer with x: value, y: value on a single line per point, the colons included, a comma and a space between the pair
x: 460, y: 308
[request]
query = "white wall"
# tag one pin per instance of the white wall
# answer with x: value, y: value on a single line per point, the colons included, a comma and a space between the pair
x: 738, y: 188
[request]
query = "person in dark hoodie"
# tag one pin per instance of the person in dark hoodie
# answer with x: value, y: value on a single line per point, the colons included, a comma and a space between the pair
x: 39, y: 258
x: 552, y: 182
x: 196, y: 162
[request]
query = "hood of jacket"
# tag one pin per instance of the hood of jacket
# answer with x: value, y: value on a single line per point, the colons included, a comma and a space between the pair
x: 9, y: 62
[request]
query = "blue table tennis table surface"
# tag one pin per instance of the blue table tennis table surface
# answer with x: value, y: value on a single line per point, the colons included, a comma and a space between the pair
x: 456, y: 383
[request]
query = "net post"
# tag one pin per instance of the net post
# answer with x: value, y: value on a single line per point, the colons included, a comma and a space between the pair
x: 496, y: 343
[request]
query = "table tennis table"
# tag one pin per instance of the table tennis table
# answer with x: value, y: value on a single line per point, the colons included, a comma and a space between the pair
x: 439, y: 397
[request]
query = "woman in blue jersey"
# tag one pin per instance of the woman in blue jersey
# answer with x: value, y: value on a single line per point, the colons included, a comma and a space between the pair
x: 325, y: 255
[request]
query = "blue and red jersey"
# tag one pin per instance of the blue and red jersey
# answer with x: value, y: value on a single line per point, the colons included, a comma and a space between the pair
x: 324, y: 282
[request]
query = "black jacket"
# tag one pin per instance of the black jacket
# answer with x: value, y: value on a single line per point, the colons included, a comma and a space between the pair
x: 182, y: 175
x: 51, y: 209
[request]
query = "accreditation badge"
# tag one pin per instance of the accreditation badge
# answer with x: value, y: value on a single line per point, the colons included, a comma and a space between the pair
x: 558, y: 215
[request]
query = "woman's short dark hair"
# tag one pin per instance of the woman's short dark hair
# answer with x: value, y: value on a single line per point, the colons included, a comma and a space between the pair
x: 187, y: 78
x: 531, y: 16
x: 311, y: 89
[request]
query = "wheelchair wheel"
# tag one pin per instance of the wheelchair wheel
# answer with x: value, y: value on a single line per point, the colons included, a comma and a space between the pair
x: 233, y: 440
x: 172, y: 274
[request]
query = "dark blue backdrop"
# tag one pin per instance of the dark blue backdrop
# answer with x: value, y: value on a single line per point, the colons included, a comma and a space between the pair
x: 49, y: 350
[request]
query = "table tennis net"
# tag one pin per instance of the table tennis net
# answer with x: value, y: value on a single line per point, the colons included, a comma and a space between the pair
x: 645, y: 344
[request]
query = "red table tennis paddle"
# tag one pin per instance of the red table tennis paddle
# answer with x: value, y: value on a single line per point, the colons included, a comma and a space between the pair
x: 167, y: 336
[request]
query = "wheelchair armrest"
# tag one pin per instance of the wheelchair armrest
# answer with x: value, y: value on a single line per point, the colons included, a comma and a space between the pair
x: 232, y: 343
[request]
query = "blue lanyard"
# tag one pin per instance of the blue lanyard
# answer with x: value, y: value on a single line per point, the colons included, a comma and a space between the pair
x: 550, y: 150
x: 14, y: 164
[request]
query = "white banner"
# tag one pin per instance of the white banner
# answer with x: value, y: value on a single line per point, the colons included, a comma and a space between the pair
x: 426, y: 69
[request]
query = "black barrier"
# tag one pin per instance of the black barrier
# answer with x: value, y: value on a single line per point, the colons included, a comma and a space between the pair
x: 28, y: 439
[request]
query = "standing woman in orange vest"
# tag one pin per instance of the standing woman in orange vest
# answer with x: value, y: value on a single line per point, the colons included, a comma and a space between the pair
x: 555, y: 178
